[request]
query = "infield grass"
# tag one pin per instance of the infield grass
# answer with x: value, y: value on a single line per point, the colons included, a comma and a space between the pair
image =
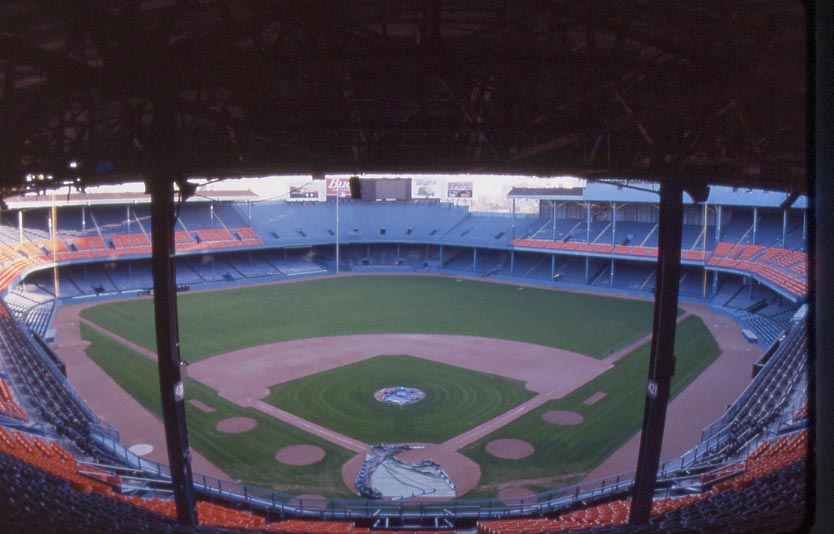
x: 217, y: 322
x: 342, y: 399
x: 566, y: 453
x: 246, y: 456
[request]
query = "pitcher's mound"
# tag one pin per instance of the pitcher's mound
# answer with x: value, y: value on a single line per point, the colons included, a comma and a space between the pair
x: 300, y: 454
x: 509, y: 449
x: 514, y: 494
x: 562, y: 417
x: 234, y: 425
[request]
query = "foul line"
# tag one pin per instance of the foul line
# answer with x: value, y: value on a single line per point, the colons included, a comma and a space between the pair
x: 116, y: 337
x: 636, y: 344
x: 318, y: 430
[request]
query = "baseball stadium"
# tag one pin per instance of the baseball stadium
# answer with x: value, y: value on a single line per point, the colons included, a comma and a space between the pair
x: 513, y: 346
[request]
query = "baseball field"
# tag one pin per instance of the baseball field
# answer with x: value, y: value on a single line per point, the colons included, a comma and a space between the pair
x: 524, y: 385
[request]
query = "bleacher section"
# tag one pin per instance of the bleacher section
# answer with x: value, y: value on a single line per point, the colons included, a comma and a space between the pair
x: 773, y: 463
x: 44, y: 491
x: 789, y: 276
x: 9, y: 407
x: 56, y: 401
x: 762, y: 402
x: 117, y: 232
x: 31, y: 307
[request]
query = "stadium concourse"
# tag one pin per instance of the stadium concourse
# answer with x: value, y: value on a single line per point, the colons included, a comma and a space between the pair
x: 744, y: 260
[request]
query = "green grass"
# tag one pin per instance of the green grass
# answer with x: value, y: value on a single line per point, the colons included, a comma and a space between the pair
x: 247, y: 456
x: 568, y: 452
x: 343, y: 399
x: 213, y: 323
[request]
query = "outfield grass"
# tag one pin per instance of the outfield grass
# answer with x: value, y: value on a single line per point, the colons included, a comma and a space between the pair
x: 247, y: 456
x: 342, y: 399
x: 216, y: 322
x: 566, y: 453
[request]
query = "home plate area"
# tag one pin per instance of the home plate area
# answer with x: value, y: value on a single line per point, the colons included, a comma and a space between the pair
x: 384, y: 476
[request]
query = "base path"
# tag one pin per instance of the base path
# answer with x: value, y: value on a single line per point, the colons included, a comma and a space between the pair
x: 702, y: 402
x: 330, y: 435
x: 245, y: 375
x: 634, y: 345
x: 108, y: 400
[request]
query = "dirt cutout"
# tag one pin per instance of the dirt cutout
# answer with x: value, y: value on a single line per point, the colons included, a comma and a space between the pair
x: 509, y: 448
x: 300, y: 454
x: 236, y: 425
x: 562, y: 417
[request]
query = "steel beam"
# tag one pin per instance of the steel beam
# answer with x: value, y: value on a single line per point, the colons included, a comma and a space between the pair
x: 820, y: 508
x: 662, y: 360
x: 168, y: 348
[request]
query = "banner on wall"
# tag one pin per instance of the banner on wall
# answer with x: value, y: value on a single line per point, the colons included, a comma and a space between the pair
x: 337, y: 187
x: 304, y: 192
x: 459, y: 190
x: 425, y: 188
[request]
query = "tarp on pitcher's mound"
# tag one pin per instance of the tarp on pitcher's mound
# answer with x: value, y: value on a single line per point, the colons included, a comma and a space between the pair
x: 384, y: 476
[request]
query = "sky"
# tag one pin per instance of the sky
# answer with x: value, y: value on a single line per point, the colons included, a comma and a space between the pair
x: 489, y: 191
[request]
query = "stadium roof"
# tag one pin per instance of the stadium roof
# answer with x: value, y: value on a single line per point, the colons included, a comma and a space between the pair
x: 104, y: 91
x: 549, y: 193
x: 648, y: 193
x: 102, y: 199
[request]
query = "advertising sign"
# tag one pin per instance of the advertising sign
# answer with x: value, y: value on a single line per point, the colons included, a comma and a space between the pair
x: 337, y: 187
x: 304, y: 192
x: 459, y: 190
x: 425, y: 188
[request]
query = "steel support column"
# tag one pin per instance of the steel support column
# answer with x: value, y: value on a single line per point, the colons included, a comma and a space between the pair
x: 717, y: 224
x: 167, y: 347
x: 588, y: 223
x: 611, y: 281
x: 7, y: 145
x: 784, y: 227
x: 662, y: 360
x: 804, y: 230
x: 338, y: 230
x: 613, y: 223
